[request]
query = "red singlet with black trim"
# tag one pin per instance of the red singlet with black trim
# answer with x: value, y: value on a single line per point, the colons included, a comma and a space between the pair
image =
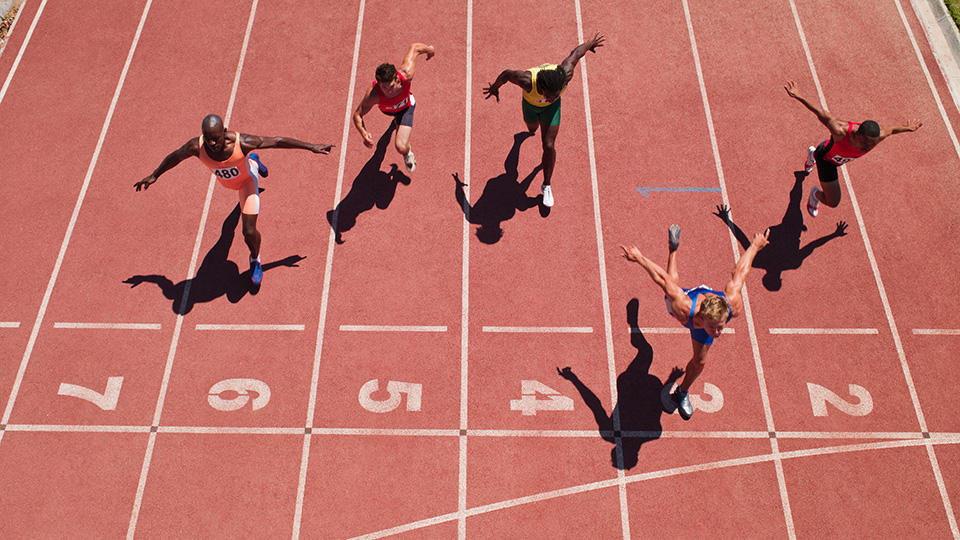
x: 844, y: 152
x: 398, y: 102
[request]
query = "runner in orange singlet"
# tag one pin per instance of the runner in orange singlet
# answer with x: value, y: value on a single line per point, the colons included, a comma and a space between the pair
x: 391, y: 92
x: 228, y: 156
x: 848, y: 141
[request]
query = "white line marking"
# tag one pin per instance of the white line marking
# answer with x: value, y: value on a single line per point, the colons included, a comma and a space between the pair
x: 748, y: 315
x: 540, y: 329
x: 61, y: 428
x: 327, y: 270
x: 107, y: 326
x: 226, y: 430
x: 838, y: 331
x: 604, y: 292
x: 9, y: 325
x: 387, y: 328
x: 465, y: 281
x: 168, y: 367
x: 671, y: 330
x: 936, y: 331
x: 256, y: 327
x: 73, y: 218
x: 13, y: 28
x: 23, y: 48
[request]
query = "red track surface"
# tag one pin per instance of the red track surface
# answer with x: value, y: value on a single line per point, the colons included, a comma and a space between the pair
x: 165, y: 463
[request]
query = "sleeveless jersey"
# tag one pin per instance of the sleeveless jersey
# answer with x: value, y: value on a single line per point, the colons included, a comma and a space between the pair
x: 398, y: 102
x: 534, y: 97
x: 842, y: 152
x: 232, y: 172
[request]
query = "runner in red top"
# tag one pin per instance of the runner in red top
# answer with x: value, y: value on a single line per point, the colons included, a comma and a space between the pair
x: 228, y: 156
x: 391, y: 91
x: 848, y: 141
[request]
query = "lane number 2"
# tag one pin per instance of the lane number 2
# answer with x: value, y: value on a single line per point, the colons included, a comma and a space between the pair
x: 820, y: 396
x: 107, y: 401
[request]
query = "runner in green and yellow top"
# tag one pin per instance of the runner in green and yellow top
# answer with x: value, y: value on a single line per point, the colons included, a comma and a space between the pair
x: 542, y: 87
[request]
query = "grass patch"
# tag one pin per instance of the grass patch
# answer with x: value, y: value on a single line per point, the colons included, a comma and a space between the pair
x: 7, y: 22
x: 954, y: 7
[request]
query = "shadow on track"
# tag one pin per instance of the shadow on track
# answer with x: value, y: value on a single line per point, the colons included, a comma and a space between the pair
x: 372, y: 187
x: 784, y: 251
x: 501, y: 198
x: 638, y: 407
x: 217, y: 275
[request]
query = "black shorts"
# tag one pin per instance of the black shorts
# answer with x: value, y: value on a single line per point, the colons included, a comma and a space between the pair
x: 405, y: 117
x: 826, y: 170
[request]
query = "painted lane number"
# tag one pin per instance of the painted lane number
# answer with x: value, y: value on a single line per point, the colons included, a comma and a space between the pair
x: 528, y: 404
x: 234, y: 394
x: 820, y: 396
x: 107, y: 401
x: 395, y: 390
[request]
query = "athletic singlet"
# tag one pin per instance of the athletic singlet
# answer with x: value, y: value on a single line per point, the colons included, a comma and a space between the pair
x: 231, y: 173
x: 398, y: 102
x: 699, y: 334
x: 534, y: 97
x: 842, y: 152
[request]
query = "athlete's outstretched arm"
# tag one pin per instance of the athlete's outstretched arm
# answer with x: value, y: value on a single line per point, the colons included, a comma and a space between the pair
x: 893, y: 130
x: 740, y: 271
x: 369, y: 100
x: 410, y: 60
x: 249, y: 143
x: 679, y: 301
x: 837, y: 127
x: 519, y: 77
x: 190, y: 148
x: 575, y: 55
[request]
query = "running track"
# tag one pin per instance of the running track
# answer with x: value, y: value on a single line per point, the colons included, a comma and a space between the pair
x: 830, y: 410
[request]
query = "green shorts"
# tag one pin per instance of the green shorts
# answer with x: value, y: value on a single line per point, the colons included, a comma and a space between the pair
x: 549, y: 115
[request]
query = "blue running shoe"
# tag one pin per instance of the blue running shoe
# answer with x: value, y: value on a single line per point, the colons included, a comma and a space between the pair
x: 256, y: 272
x: 260, y: 166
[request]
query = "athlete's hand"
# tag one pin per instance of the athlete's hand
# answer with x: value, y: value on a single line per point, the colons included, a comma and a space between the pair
x: 431, y: 52
x: 914, y: 124
x: 145, y: 183
x: 631, y: 253
x: 368, y: 140
x: 791, y: 88
x: 321, y: 148
x: 492, y: 91
x: 761, y: 239
x: 597, y: 41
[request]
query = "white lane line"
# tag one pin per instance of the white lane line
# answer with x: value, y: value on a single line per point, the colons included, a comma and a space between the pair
x: 539, y: 329
x: 23, y: 48
x: 9, y: 325
x: 389, y: 328
x: 61, y: 428
x: 73, y: 219
x: 13, y: 28
x: 465, y: 281
x: 107, y: 326
x: 748, y: 314
x: 178, y: 326
x: 887, y: 310
x: 671, y: 330
x: 254, y: 327
x: 225, y: 430
x: 327, y: 270
x: 933, y: 89
x: 818, y: 331
x: 936, y: 331
x: 604, y: 292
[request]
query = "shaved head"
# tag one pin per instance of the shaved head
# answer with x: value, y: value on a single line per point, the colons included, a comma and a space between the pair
x: 212, y: 124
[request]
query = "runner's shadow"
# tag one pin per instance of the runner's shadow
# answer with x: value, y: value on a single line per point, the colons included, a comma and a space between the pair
x: 784, y: 251
x: 372, y: 187
x: 639, y: 407
x: 216, y: 277
x: 501, y: 198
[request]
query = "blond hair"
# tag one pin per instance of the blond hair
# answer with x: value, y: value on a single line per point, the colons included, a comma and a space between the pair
x: 714, y: 308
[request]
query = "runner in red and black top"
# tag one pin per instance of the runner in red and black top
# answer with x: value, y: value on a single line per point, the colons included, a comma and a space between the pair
x: 848, y: 141
x: 391, y: 92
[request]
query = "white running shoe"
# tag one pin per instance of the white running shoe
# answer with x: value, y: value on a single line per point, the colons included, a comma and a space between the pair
x: 684, y: 407
x: 410, y: 161
x: 813, y: 203
x: 674, y: 237
x: 547, y: 196
x: 808, y: 165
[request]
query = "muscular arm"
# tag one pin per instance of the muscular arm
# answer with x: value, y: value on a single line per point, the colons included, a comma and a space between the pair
x: 740, y: 271
x: 680, y: 303
x: 893, y: 130
x: 249, y: 143
x: 369, y: 100
x: 575, y: 55
x: 190, y: 148
x: 410, y: 60
x: 837, y: 127
x: 521, y: 78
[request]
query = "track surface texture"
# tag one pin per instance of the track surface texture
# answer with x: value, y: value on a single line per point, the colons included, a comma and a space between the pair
x: 397, y: 374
